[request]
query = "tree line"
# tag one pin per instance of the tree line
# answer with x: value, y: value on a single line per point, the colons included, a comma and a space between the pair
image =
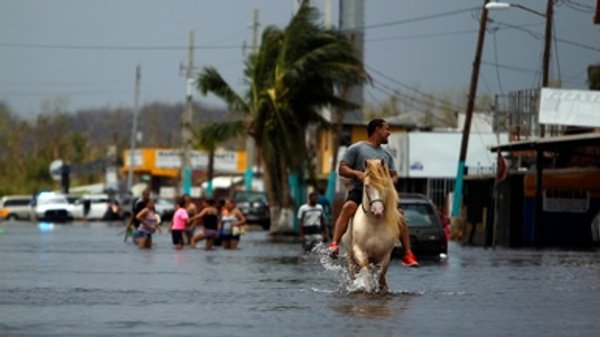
x: 28, y: 146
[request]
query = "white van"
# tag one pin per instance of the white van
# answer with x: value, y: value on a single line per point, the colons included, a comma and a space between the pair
x: 91, y: 206
x: 15, y: 207
x: 51, y: 206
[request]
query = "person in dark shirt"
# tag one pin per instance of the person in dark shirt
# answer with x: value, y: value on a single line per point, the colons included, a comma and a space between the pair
x: 138, y: 206
x: 208, y: 218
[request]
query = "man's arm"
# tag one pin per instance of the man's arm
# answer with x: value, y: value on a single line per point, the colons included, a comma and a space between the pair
x: 394, y: 176
x: 348, y: 172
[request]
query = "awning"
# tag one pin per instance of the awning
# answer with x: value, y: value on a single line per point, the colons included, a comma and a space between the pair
x: 551, y: 143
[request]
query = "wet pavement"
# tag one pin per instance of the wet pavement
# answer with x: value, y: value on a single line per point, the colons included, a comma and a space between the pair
x: 80, y: 279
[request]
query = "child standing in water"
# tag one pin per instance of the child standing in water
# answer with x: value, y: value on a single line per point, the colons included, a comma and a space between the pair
x: 178, y: 224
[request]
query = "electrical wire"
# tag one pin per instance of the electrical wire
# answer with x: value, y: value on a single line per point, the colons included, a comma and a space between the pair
x: 577, y: 6
x: 415, y: 103
x: 419, y: 19
x: 496, y: 61
x: 108, y: 47
x: 404, y: 85
x: 422, y: 36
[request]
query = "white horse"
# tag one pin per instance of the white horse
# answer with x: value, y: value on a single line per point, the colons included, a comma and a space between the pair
x: 373, y: 231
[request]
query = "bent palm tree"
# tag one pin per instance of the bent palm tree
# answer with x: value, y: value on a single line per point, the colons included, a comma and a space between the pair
x: 209, y: 137
x: 289, y: 79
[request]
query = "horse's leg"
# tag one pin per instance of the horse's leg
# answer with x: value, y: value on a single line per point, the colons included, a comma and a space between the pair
x: 383, y: 286
x: 361, y: 259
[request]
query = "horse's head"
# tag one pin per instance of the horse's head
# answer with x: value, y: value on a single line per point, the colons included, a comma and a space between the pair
x: 376, y: 187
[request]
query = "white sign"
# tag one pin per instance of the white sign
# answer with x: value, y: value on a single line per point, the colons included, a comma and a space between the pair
x: 435, y: 154
x: 171, y: 159
x: 570, y: 107
x: 566, y: 201
x: 137, y: 158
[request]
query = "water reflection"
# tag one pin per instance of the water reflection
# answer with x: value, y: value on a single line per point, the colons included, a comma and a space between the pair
x: 370, y: 306
x: 45, y: 226
x: 53, y: 282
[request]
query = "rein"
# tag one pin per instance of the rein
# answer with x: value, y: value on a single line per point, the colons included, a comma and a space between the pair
x: 371, y: 202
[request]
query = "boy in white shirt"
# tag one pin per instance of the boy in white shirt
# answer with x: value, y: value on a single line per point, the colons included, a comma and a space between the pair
x: 312, y: 225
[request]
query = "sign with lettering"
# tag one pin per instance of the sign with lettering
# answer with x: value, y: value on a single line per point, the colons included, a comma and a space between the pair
x: 570, y: 107
x: 566, y: 200
x: 171, y: 159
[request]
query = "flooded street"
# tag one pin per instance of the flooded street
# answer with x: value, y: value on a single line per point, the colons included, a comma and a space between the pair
x: 80, y: 279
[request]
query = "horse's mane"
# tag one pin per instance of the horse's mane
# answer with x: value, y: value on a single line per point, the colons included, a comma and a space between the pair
x: 379, y: 176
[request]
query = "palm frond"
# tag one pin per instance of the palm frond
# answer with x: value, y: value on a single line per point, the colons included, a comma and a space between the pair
x: 209, y: 80
x: 209, y: 136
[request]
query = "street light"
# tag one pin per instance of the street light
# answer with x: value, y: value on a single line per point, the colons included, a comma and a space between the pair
x: 545, y: 79
x: 548, y: 34
x: 464, y: 143
x: 505, y: 5
x: 458, y: 187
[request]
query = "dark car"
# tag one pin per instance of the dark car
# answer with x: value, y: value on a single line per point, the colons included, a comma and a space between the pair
x: 254, y: 206
x: 427, y: 235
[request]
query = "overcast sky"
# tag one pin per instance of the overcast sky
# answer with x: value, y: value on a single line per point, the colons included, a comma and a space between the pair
x: 86, y: 50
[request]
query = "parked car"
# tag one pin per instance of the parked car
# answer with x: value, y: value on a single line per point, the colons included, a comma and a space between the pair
x: 51, y: 206
x: 254, y: 206
x: 15, y: 207
x: 165, y: 208
x: 91, y: 206
x: 427, y: 235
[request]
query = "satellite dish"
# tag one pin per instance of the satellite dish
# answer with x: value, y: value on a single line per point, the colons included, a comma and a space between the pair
x: 55, y: 169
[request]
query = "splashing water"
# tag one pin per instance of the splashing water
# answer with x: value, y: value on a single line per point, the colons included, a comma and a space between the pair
x: 366, y: 281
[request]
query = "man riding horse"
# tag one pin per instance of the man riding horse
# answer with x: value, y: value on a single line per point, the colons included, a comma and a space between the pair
x: 352, y: 166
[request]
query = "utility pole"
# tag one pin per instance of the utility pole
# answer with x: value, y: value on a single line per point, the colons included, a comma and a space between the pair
x: 458, y: 187
x: 539, y: 161
x: 250, y: 146
x: 327, y: 14
x: 186, y: 121
x: 547, y: 47
x: 138, y: 75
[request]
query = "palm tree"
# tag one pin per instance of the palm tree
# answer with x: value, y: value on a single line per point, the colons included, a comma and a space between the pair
x: 289, y: 79
x: 208, y: 138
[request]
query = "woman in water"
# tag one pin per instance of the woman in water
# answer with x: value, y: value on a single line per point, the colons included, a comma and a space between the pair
x: 231, y: 224
x: 208, y: 218
x: 149, y: 223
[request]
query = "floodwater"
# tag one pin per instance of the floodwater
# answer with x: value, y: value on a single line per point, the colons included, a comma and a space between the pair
x: 80, y: 279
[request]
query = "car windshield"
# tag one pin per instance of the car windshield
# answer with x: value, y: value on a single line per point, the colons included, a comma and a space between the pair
x: 418, y: 215
x: 53, y: 200
x: 250, y: 197
x: 163, y: 202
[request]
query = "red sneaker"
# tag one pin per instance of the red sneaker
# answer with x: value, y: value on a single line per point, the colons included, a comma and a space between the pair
x: 409, y: 260
x: 334, y: 249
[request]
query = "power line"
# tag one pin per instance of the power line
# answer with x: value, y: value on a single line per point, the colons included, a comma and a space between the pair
x: 577, y: 6
x: 418, y: 19
x: 497, y: 68
x: 109, y: 47
x: 523, y: 70
x: 421, y: 36
x: 404, y: 85
x: 539, y: 36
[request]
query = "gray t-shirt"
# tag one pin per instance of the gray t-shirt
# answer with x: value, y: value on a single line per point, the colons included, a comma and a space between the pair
x: 358, y: 152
